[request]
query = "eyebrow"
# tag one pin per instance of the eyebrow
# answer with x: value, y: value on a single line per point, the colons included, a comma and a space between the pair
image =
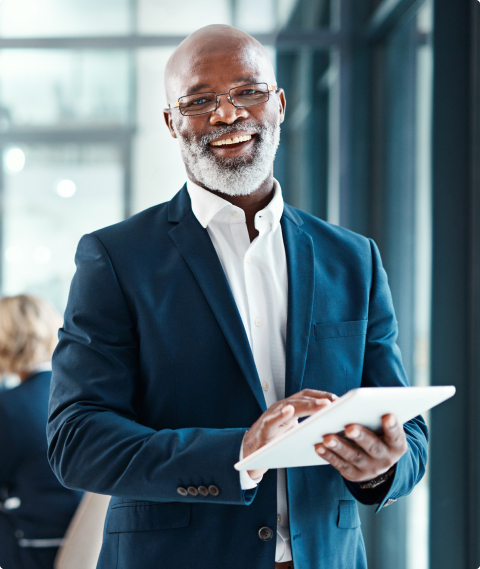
x: 205, y: 87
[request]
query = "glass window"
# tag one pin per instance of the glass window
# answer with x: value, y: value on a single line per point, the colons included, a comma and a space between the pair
x: 256, y: 17
x: 307, y: 14
x: 154, y: 17
x: 309, y: 79
x: 404, y: 146
x: 53, y: 195
x: 63, y: 88
x: 159, y: 171
x: 48, y: 18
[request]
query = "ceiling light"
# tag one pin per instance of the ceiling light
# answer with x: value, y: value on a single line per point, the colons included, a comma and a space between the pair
x: 66, y: 188
x: 14, y: 160
x: 42, y: 255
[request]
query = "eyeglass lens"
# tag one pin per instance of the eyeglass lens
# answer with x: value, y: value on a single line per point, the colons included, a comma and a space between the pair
x: 242, y: 96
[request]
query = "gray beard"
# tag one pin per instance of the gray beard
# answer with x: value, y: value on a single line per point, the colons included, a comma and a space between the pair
x: 236, y: 176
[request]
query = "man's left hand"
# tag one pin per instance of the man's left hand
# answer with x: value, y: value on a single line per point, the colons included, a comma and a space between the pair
x: 361, y: 455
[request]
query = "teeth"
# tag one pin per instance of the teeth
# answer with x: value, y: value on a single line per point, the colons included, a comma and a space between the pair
x: 233, y: 140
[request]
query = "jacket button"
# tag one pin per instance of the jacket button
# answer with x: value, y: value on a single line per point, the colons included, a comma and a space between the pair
x: 265, y: 534
x: 192, y: 491
x: 203, y: 490
x: 214, y: 491
x: 182, y: 491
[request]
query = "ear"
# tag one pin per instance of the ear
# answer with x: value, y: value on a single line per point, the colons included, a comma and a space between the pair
x: 167, y: 115
x: 282, y: 103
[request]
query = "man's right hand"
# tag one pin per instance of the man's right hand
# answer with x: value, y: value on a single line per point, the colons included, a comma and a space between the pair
x: 281, y: 417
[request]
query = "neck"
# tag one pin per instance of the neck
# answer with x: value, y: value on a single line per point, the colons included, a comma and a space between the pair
x: 251, y: 204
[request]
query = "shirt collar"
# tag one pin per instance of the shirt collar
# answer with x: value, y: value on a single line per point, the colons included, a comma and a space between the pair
x: 206, y: 205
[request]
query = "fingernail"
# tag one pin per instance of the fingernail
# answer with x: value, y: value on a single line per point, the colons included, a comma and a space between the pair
x: 353, y: 434
x: 321, y: 450
x: 331, y: 444
x: 391, y: 423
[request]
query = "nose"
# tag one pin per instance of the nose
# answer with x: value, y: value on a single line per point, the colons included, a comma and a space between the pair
x: 226, y: 111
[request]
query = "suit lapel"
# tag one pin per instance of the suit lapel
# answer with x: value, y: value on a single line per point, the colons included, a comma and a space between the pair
x: 301, y: 286
x: 199, y: 253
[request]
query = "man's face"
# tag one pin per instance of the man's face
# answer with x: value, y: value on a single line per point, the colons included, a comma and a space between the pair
x: 231, y: 168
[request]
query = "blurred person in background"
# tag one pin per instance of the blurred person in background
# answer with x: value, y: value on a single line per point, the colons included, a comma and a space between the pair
x: 35, y: 509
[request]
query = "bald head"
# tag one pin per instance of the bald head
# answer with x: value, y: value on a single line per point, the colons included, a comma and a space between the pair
x: 208, y: 51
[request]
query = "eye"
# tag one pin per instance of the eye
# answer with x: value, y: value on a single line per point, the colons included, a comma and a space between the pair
x: 200, y: 101
x: 249, y: 92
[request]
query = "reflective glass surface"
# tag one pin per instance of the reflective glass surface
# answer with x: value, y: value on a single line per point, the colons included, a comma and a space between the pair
x: 303, y: 165
x: 61, y: 88
x: 49, y: 18
x: 154, y: 17
x: 52, y: 196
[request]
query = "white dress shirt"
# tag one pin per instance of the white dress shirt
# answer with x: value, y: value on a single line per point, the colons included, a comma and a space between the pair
x: 257, y: 275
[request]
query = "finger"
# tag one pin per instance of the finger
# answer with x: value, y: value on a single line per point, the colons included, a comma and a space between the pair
x: 394, y: 435
x: 306, y: 406
x: 294, y: 408
x: 276, y: 417
x: 373, y: 445
x: 318, y: 394
x: 346, y: 469
x: 349, y: 451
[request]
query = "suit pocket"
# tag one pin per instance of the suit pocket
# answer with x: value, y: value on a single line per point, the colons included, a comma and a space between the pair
x: 324, y: 330
x: 147, y: 516
x: 348, y: 517
x: 335, y: 356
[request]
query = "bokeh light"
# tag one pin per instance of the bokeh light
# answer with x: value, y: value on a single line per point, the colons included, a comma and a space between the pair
x: 66, y: 188
x: 14, y: 160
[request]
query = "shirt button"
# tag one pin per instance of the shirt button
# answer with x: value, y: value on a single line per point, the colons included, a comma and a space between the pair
x: 248, y: 259
x: 234, y: 213
x: 279, y: 519
x: 265, y: 386
x: 258, y: 322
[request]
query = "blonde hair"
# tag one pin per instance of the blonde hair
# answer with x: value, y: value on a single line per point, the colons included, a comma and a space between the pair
x: 28, y: 332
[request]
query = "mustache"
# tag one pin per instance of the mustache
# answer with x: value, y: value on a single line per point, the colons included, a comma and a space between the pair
x: 220, y: 131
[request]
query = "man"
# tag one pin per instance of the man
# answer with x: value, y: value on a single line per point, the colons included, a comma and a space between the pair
x: 201, y: 329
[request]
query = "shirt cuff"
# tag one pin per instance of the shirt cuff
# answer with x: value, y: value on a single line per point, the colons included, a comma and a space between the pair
x: 246, y: 481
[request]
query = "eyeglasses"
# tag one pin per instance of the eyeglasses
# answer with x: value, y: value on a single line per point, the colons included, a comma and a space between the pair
x: 242, y: 96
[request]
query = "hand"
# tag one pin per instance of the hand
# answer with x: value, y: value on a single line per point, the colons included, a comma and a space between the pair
x: 361, y: 455
x: 281, y: 417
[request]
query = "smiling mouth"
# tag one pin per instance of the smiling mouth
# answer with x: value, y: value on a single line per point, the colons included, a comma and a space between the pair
x: 234, y: 140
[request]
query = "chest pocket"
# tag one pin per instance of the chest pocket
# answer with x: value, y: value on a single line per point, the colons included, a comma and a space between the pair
x: 335, y: 356
x: 147, y: 516
x: 326, y: 330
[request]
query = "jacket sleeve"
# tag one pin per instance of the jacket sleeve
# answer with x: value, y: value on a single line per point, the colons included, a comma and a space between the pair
x: 94, y: 441
x: 383, y: 368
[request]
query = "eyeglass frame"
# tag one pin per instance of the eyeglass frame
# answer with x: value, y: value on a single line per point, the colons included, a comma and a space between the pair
x: 269, y: 89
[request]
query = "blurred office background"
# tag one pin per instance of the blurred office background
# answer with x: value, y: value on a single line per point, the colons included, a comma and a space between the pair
x: 381, y: 136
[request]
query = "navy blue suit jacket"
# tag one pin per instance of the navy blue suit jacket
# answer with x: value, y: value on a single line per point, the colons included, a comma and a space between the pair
x: 154, y: 386
x: 46, y: 507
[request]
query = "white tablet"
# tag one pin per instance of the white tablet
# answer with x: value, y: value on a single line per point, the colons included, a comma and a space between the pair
x: 364, y: 406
